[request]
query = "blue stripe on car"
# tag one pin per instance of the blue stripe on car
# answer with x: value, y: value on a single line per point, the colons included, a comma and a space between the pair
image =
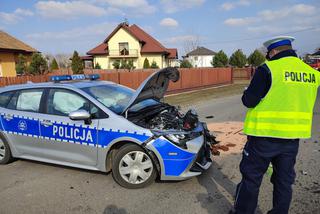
x: 21, y: 125
x: 78, y: 134
x: 175, y: 160
x: 1, y: 126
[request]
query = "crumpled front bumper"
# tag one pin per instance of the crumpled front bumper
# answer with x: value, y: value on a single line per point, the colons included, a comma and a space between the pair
x: 177, y: 163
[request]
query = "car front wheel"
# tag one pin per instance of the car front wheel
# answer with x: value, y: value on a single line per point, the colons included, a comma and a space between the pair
x: 133, y: 168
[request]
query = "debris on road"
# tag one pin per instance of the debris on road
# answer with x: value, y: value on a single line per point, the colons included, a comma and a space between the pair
x: 229, y: 134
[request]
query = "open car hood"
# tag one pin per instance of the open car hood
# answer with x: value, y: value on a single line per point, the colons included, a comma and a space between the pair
x: 154, y: 87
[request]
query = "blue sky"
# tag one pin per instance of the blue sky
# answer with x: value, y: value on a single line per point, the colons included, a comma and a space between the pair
x: 63, y: 26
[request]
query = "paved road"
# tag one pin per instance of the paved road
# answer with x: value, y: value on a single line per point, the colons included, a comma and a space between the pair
x: 32, y: 187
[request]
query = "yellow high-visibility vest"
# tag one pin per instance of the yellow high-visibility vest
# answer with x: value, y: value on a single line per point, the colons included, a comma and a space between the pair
x: 287, y: 109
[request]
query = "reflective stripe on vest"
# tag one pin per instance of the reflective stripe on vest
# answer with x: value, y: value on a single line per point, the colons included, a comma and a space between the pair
x: 287, y: 109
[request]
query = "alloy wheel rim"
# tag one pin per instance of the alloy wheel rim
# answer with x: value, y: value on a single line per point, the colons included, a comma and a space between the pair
x: 2, y: 150
x: 135, y: 167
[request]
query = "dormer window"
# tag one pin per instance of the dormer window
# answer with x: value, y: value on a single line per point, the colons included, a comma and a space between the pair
x: 124, y: 48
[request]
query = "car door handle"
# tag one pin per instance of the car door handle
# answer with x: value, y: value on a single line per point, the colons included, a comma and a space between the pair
x: 46, y: 123
x: 8, y: 117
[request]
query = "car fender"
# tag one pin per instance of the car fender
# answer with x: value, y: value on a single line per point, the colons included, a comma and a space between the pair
x: 103, y: 152
x: 13, y: 149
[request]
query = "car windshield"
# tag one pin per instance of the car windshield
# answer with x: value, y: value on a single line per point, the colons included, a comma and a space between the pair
x: 117, y: 97
x: 114, y: 97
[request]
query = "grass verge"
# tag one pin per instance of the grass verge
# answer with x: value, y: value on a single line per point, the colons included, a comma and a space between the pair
x: 205, y: 94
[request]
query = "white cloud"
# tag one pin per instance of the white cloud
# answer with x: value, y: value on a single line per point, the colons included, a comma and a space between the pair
x: 134, y: 7
x: 14, y: 17
x: 297, y: 15
x: 181, y: 39
x: 227, y: 6
x: 275, y: 30
x: 70, y: 9
x: 169, y: 22
x: 80, y: 32
x: 295, y: 10
x: 240, y: 21
x: 232, y: 5
x: 170, y: 6
x: 82, y: 38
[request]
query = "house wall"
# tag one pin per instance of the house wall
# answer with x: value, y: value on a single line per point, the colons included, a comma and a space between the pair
x: 113, y: 45
x: 102, y: 60
x: 158, y: 58
x: 174, y: 63
x: 134, y: 45
x: 123, y: 36
x: 200, y: 61
x: 7, y: 65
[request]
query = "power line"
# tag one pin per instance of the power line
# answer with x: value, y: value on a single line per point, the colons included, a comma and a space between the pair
x: 257, y: 38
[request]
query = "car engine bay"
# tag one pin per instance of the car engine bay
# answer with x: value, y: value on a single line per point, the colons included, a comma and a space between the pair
x: 165, y: 117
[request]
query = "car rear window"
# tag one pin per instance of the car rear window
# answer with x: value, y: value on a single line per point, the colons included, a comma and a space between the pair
x: 29, y: 100
x: 5, y: 98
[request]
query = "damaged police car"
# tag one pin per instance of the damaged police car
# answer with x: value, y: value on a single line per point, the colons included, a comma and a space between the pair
x: 81, y: 122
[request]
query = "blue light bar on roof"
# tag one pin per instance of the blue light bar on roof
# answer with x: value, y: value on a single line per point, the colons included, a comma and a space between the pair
x: 74, y: 77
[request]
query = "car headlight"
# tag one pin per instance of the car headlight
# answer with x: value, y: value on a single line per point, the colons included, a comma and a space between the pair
x: 178, y: 139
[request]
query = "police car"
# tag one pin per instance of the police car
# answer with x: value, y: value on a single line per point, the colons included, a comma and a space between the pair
x: 82, y: 122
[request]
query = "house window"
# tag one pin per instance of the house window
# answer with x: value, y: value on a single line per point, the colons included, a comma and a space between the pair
x: 124, y: 48
x: 196, y: 58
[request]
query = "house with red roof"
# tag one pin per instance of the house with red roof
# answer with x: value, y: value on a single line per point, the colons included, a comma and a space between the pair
x: 130, y: 42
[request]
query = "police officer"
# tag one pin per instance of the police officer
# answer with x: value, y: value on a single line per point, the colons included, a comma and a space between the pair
x: 280, y: 101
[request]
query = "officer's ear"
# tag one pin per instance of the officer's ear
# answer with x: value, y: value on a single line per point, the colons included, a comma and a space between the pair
x: 268, y: 55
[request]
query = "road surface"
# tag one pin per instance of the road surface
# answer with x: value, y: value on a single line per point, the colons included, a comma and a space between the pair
x: 33, y: 187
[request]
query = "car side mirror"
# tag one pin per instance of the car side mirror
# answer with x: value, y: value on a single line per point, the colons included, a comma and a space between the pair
x: 81, y: 115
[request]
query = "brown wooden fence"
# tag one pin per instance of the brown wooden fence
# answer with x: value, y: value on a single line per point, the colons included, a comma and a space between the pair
x: 242, y: 73
x: 190, y: 79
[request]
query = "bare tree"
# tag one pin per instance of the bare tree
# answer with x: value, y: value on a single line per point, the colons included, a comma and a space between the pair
x: 63, y: 60
x: 191, y: 44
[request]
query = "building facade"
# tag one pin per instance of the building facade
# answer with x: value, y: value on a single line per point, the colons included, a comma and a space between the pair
x: 131, y: 43
x: 200, y: 57
x: 10, y: 48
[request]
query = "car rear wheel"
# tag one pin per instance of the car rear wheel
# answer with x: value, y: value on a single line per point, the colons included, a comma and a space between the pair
x: 133, y: 168
x: 5, y: 152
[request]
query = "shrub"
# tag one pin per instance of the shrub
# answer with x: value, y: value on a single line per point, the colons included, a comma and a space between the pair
x: 38, y: 64
x: 185, y: 64
x: 54, y: 65
x: 77, y: 64
x: 220, y: 60
x: 146, y: 63
x: 97, y: 66
x: 238, y: 59
x: 154, y: 65
x: 21, y: 66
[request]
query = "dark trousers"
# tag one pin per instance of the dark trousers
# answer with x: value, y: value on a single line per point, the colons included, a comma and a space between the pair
x: 258, y: 153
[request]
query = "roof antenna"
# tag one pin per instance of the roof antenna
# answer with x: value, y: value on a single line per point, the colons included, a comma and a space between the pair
x: 126, y: 22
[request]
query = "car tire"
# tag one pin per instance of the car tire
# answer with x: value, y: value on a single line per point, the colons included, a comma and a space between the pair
x: 133, y: 168
x: 5, y: 152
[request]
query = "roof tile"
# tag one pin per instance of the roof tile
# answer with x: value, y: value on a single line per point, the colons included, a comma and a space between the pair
x: 100, y: 49
x: 9, y: 42
x: 201, y: 51
x: 149, y: 44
